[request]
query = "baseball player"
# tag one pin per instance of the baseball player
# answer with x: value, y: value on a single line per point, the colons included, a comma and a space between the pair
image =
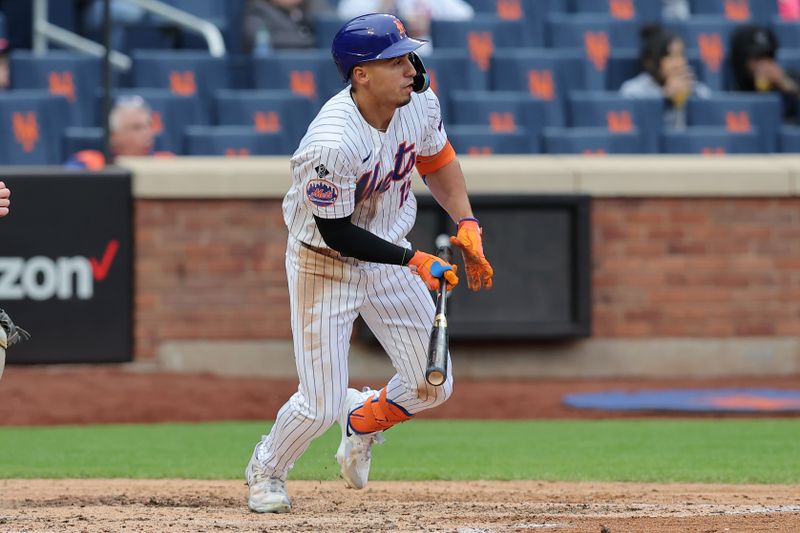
x: 348, y: 211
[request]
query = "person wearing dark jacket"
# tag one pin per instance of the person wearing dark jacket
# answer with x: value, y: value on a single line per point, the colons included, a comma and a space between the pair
x: 281, y: 24
x: 752, y: 51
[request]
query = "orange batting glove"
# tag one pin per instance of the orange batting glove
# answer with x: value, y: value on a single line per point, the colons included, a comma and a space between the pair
x: 468, y: 238
x: 430, y: 268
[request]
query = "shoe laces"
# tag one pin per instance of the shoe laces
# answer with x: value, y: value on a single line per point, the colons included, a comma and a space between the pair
x: 276, y: 485
x: 259, y: 474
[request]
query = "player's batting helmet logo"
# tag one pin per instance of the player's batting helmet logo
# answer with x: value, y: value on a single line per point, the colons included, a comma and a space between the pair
x: 322, y: 193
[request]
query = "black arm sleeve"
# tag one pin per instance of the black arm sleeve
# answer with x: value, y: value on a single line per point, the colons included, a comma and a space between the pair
x: 351, y: 241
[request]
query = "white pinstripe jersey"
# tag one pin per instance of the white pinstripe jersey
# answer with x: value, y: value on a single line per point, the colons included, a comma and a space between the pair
x: 344, y: 166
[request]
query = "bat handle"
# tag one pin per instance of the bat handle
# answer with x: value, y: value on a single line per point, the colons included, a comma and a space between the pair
x: 445, y: 253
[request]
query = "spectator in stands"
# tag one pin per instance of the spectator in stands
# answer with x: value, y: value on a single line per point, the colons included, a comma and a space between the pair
x: 667, y: 74
x: 5, y: 65
x: 280, y: 24
x: 416, y: 14
x: 675, y: 9
x: 752, y: 51
x: 131, y: 135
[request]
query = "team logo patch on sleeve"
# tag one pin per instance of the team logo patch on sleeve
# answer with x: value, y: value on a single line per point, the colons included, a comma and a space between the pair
x: 322, y: 192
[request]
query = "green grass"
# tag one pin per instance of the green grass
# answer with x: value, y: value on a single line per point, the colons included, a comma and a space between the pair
x: 705, y: 451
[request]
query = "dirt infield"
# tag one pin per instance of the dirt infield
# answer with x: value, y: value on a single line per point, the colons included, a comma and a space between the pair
x: 77, y: 395
x: 467, y: 507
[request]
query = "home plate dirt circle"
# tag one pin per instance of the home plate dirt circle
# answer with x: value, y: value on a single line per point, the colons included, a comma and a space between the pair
x: 460, y: 507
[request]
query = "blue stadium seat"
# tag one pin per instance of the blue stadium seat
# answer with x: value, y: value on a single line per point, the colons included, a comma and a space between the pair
x: 184, y: 73
x: 141, y: 36
x: 156, y: 32
x: 31, y: 124
x: 325, y: 28
x: 547, y: 75
x: 533, y: 12
x: 171, y: 114
x: 233, y: 141
x: 481, y: 140
x: 617, y: 114
x: 790, y: 139
x: 707, y: 38
x: 590, y: 141
x: 233, y: 34
x: 597, y: 37
x: 481, y: 36
x: 623, y: 64
x: 73, y: 76
x: 502, y: 111
x: 740, y: 113
x: 640, y: 10
x: 737, y: 11
x: 451, y: 70
x: 212, y: 11
x: 77, y: 139
x: 224, y: 15
x: 573, y: 31
x: 61, y: 14
x: 710, y: 141
x: 266, y: 111
x: 787, y: 32
x: 308, y: 73
x: 789, y: 59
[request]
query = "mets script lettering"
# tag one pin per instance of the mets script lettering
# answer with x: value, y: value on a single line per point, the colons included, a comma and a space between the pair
x: 371, y: 183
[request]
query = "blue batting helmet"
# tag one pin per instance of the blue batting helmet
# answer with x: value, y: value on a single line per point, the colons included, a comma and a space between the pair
x: 376, y: 36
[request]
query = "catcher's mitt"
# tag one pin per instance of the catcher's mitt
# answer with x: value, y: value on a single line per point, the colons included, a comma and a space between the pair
x: 14, y: 333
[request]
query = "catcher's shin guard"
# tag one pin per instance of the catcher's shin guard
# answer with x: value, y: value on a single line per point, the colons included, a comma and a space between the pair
x: 377, y: 414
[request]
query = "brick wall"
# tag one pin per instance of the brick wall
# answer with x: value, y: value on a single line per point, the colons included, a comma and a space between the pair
x: 212, y: 269
x: 208, y: 269
x: 696, y: 268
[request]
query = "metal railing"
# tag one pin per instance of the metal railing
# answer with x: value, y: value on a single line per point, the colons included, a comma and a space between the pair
x: 45, y: 32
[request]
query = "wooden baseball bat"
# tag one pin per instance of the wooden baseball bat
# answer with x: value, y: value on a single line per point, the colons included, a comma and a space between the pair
x: 436, y: 372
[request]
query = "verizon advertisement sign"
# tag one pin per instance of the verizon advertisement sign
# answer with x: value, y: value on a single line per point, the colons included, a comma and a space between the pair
x: 65, y: 266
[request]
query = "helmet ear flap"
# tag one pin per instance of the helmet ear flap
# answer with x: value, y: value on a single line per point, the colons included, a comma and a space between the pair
x: 421, y: 79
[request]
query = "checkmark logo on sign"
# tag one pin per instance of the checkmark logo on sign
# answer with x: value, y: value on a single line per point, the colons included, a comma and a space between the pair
x: 100, y: 268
